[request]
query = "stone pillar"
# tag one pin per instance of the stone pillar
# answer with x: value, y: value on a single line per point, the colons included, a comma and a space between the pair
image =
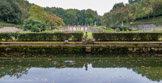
x: 84, y: 28
x: 72, y: 29
x: 63, y: 29
x: 80, y: 28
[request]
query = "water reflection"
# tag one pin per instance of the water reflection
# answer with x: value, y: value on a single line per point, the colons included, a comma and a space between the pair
x: 81, y: 69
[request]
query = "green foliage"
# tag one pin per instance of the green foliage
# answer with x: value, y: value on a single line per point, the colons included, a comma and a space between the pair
x: 118, y: 5
x: 54, y: 21
x: 77, y: 36
x: 157, y: 5
x: 44, y: 49
x: 4, y: 24
x: 117, y: 17
x: 156, y: 21
x: 24, y: 6
x: 124, y: 14
x: 127, y: 36
x: 17, y: 11
x: 8, y: 36
x: 37, y: 13
x: 133, y: 1
x: 34, y: 25
x: 10, y: 11
x: 78, y: 31
x: 65, y: 15
x: 57, y: 36
x: 77, y: 17
x: 124, y: 28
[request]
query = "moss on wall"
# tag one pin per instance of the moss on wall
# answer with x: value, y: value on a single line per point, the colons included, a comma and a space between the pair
x: 79, y: 50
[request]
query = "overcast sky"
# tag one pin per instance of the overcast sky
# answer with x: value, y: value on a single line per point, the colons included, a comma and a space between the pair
x: 101, y: 6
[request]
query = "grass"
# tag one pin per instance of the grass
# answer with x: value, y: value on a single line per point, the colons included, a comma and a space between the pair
x: 140, y: 32
x: 113, y: 31
x: 89, y: 35
x: 30, y: 32
x: 99, y: 27
x: 48, y: 31
x: 4, y: 24
x: 157, y: 21
x: 109, y: 31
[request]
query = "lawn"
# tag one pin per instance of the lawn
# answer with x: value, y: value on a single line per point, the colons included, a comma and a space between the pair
x: 89, y: 35
x: 156, y: 21
x: 113, y: 31
x: 109, y: 31
x: 140, y: 32
x: 4, y: 24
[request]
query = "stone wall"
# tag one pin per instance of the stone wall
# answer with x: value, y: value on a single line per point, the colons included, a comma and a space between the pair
x: 146, y: 27
x: 80, y: 28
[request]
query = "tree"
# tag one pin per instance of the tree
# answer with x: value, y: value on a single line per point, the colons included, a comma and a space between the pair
x: 37, y: 13
x: 77, y: 17
x: 133, y: 1
x: 110, y: 20
x: 90, y: 17
x: 136, y: 10
x: 98, y: 20
x: 72, y: 13
x: 117, y: 5
x: 53, y: 21
x: 157, y: 5
x: 34, y: 25
x: 10, y: 11
x: 117, y: 17
x: 24, y: 6
x: 133, y: 8
x: 81, y: 17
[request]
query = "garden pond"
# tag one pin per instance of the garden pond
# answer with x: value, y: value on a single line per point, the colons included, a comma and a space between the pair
x: 81, y: 69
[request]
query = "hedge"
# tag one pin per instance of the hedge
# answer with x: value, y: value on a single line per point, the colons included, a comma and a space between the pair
x: 8, y: 36
x: 127, y: 36
x: 41, y: 36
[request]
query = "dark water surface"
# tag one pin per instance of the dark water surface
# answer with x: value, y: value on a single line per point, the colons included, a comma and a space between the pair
x: 81, y: 69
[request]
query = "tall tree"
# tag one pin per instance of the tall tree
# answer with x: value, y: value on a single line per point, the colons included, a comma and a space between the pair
x: 77, y: 17
x: 117, y: 5
x: 37, y: 13
x: 53, y: 21
x: 10, y: 11
x: 90, y: 17
x: 117, y: 16
x: 24, y: 6
x: 157, y: 5
x: 133, y: 1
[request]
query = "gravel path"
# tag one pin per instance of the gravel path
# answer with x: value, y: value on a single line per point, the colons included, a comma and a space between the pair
x: 10, y: 29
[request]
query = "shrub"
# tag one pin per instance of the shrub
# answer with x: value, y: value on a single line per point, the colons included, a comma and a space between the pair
x: 127, y: 36
x: 78, y: 31
x: 123, y: 28
x: 8, y: 36
x: 58, y: 36
x: 77, y: 36
x: 34, y: 25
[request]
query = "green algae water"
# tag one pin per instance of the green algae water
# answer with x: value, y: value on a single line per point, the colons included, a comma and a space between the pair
x: 81, y: 69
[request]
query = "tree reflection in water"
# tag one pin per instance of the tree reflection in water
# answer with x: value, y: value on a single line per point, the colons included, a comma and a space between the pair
x: 148, y: 66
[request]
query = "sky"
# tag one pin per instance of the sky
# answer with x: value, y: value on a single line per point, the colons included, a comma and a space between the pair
x: 101, y: 6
